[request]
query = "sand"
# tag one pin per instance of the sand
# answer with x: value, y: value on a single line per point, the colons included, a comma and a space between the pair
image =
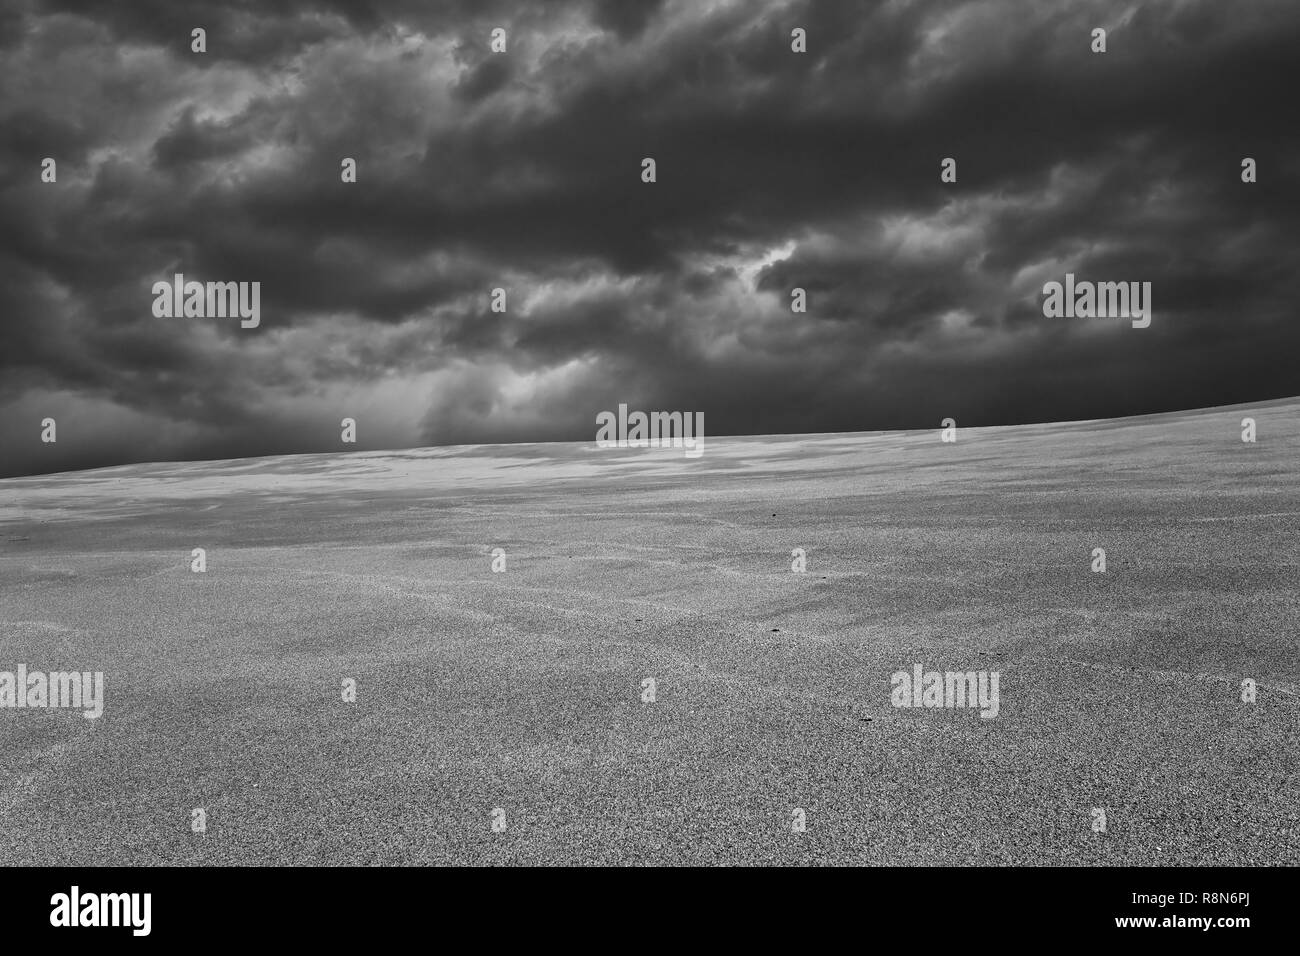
x: 1120, y: 693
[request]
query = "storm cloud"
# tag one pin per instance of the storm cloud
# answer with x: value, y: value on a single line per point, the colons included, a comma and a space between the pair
x: 521, y: 170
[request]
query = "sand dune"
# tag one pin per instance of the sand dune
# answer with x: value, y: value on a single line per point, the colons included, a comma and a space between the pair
x: 522, y: 690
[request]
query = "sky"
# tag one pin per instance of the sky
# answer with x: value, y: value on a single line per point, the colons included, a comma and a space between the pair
x: 522, y: 170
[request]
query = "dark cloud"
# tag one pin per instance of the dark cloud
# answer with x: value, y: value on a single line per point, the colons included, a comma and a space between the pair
x: 522, y: 171
x: 627, y: 20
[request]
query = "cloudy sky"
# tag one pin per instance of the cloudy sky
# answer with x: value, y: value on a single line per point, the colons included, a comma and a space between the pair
x: 522, y: 170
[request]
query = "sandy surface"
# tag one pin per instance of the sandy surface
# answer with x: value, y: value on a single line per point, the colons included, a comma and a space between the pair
x: 522, y: 690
